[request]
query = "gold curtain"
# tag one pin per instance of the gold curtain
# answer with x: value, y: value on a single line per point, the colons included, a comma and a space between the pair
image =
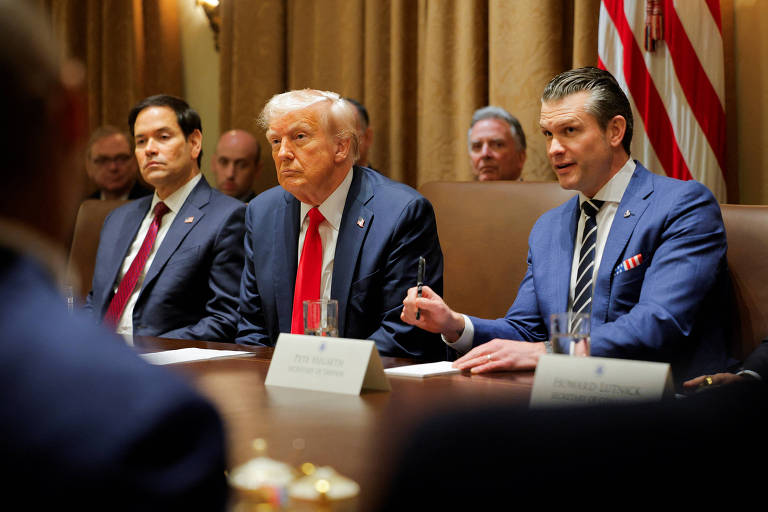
x: 130, y: 49
x: 420, y: 67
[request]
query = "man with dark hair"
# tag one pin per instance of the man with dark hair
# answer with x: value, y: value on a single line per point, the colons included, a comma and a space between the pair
x: 496, y: 144
x: 169, y: 265
x: 365, y: 135
x: 85, y: 423
x: 236, y: 164
x: 111, y: 165
x: 644, y: 254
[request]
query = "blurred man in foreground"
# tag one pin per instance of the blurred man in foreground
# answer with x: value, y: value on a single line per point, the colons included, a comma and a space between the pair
x: 644, y: 254
x: 85, y: 423
x: 496, y: 145
x: 333, y: 230
x: 236, y: 164
x: 111, y: 165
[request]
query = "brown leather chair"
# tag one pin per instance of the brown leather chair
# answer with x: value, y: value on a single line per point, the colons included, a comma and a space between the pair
x: 483, y: 230
x: 85, y: 242
x: 746, y: 227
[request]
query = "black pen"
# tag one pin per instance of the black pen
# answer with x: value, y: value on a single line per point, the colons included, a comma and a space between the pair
x: 420, y: 282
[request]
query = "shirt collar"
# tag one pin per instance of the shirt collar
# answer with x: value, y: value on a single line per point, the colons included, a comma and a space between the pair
x: 613, y: 191
x: 175, y: 201
x: 333, y: 207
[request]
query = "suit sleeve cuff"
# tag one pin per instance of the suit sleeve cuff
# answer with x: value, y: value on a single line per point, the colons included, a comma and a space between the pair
x: 464, y: 343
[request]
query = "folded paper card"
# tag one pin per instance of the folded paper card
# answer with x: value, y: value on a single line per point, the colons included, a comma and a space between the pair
x: 562, y: 381
x: 423, y: 370
x: 319, y: 363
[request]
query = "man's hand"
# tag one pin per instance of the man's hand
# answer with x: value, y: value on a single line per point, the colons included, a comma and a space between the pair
x: 435, y: 314
x: 501, y: 355
x: 718, y: 379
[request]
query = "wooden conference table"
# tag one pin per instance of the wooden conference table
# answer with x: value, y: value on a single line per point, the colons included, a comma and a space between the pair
x: 356, y: 435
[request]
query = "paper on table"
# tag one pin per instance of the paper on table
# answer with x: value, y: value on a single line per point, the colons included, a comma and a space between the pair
x: 423, y: 370
x: 184, y: 355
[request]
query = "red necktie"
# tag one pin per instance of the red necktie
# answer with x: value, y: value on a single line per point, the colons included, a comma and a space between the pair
x: 309, y: 271
x: 131, y: 277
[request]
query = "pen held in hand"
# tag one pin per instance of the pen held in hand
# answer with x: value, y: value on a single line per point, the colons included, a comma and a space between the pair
x: 420, y: 282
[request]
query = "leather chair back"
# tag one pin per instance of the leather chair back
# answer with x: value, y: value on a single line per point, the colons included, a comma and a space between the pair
x: 85, y: 242
x: 483, y: 229
x: 746, y: 228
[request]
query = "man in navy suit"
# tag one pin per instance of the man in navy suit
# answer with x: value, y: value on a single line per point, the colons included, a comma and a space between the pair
x: 85, y: 424
x: 658, y: 279
x: 372, y: 232
x: 112, y: 166
x: 185, y: 260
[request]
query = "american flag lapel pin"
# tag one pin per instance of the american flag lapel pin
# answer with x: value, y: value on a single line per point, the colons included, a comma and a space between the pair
x: 189, y: 220
x: 361, y: 222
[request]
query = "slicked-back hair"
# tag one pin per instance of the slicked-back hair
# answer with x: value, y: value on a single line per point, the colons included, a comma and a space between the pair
x: 339, y: 118
x: 186, y: 116
x: 494, y: 112
x: 607, y: 99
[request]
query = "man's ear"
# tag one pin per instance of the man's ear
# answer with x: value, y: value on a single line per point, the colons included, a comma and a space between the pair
x: 343, y: 147
x: 615, y: 130
x: 196, y: 139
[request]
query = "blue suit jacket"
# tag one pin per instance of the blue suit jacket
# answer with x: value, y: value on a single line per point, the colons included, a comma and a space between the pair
x: 376, y: 261
x: 671, y: 308
x: 103, y: 426
x: 190, y: 290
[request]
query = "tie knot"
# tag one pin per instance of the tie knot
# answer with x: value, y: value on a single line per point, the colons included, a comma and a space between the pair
x: 591, y: 207
x: 161, y: 209
x: 315, y: 217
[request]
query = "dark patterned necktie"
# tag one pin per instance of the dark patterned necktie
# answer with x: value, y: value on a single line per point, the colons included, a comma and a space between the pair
x: 582, y: 294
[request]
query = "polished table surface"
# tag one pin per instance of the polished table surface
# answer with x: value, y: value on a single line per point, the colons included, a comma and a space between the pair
x: 356, y: 435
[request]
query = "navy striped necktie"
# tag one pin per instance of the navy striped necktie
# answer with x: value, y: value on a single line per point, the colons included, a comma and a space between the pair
x: 582, y: 294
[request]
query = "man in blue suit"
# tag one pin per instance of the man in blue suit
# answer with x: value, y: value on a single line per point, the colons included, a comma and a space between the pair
x: 656, y: 286
x: 366, y: 234
x: 169, y: 264
x: 85, y: 424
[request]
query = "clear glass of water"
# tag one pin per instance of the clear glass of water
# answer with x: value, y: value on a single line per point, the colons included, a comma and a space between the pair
x: 321, y: 317
x: 569, y: 333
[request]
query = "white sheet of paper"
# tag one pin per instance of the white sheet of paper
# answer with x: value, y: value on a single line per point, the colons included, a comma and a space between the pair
x: 423, y: 370
x: 185, y: 355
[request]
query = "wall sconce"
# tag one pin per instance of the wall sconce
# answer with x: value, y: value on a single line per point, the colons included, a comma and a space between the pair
x: 211, y: 8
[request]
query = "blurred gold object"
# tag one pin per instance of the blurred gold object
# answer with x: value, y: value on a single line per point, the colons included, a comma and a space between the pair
x: 326, y: 488
x: 261, y: 481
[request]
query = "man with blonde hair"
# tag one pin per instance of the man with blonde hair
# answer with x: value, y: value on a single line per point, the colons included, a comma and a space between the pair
x: 333, y: 230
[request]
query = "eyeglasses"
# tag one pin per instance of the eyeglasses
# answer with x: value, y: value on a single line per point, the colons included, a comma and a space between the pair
x: 120, y: 159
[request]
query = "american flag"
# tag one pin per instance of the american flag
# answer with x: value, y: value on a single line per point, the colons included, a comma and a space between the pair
x: 668, y: 57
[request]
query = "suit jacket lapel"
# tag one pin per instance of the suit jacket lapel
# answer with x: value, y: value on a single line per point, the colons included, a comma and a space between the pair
x: 351, y: 235
x: 635, y: 200
x: 119, y: 244
x: 286, y: 235
x: 192, y: 207
x: 563, y: 258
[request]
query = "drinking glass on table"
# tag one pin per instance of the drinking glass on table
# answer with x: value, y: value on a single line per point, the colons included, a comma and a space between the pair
x: 321, y: 317
x: 569, y: 333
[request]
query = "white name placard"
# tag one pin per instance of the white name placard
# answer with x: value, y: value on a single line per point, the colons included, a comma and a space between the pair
x: 562, y: 381
x: 318, y: 363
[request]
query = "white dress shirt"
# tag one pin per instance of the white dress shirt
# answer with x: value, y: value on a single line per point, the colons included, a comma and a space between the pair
x: 611, y: 194
x: 174, y: 202
x: 332, y: 209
